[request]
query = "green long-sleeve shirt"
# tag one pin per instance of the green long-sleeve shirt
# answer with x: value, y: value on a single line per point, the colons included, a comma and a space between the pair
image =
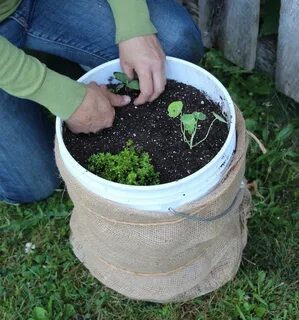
x: 24, y: 76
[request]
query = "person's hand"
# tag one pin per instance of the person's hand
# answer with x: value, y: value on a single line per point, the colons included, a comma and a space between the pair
x: 96, y: 112
x: 145, y: 56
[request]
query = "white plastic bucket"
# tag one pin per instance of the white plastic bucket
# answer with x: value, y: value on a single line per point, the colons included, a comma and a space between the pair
x: 173, y: 194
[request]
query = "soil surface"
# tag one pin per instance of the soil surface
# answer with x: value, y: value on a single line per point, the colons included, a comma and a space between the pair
x: 153, y: 131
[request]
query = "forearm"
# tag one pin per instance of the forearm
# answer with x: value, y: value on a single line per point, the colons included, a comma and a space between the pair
x: 25, y: 77
x: 132, y: 19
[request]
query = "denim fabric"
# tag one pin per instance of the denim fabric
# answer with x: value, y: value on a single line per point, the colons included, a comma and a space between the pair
x: 83, y: 32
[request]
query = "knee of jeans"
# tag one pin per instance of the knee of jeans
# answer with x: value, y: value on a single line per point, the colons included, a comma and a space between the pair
x: 30, y: 191
x: 49, y: 184
x: 184, y: 41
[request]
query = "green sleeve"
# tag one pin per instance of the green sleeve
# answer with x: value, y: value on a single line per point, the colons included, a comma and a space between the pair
x: 25, y: 77
x: 132, y: 19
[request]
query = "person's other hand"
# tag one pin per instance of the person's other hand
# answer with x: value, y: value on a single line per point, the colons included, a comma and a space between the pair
x: 145, y: 56
x: 96, y: 111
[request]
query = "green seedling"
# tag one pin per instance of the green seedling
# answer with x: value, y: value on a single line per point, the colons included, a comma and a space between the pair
x: 189, y: 122
x: 125, y: 82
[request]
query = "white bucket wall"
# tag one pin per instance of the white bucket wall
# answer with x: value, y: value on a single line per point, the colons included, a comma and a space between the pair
x: 169, y: 195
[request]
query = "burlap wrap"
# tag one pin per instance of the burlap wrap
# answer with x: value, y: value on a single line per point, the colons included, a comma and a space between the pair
x: 163, y: 256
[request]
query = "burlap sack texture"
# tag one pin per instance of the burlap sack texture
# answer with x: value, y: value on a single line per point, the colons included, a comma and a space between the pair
x: 164, y: 256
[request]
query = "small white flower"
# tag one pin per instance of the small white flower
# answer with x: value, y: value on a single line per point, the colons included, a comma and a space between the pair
x: 267, y: 104
x: 202, y: 102
x: 29, y: 247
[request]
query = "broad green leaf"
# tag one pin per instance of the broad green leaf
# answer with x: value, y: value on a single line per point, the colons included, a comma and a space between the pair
x: 133, y: 84
x: 189, y: 122
x: 218, y: 117
x: 190, y: 129
x: 122, y: 77
x: 285, y: 133
x: 247, y: 306
x: 175, y: 109
x: 188, y: 119
x: 199, y: 115
x: 40, y: 314
x: 260, y: 311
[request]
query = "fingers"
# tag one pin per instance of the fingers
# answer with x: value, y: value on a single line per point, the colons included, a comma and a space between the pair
x: 145, y: 55
x: 159, y: 81
x: 146, y: 87
x: 105, y: 121
x: 152, y: 83
x: 77, y: 129
x: 129, y: 71
x: 96, y: 111
x: 115, y: 100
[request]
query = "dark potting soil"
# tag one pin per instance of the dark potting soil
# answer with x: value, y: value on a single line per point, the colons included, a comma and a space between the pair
x: 153, y: 131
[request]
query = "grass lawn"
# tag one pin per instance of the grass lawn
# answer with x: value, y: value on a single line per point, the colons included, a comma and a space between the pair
x: 50, y: 283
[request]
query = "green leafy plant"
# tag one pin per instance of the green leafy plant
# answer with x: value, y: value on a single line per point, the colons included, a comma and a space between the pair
x: 189, y: 122
x: 127, y: 167
x: 125, y: 82
x: 40, y: 313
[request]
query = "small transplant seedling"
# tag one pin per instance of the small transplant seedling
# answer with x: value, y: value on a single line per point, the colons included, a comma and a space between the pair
x: 189, y: 122
x: 125, y: 82
x: 127, y: 167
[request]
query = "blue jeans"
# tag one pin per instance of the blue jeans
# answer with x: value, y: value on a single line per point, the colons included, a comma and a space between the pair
x: 83, y: 32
